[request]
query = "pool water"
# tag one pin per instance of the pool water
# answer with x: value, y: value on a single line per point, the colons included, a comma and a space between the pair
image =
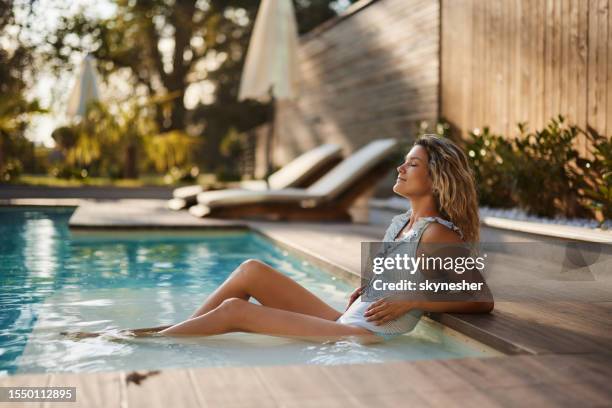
x: 53, y: 279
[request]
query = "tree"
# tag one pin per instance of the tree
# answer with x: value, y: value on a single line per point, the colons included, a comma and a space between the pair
x: 168, y: 45
x: 15, y: 109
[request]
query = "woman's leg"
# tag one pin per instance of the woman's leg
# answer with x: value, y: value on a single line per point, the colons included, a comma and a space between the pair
x: 254, y: 279
x: 271, y: 288
x: 236, y: 314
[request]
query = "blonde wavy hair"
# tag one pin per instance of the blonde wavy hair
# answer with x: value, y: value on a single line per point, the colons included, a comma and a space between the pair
x: 453, y: 184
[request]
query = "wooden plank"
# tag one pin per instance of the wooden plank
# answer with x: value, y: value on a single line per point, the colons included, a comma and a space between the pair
x: 554, y: 107
x: 566, y: 64
x: 546, y: 395
x: 602, y: 66
x: 516, y: 371
x: 231, y: 387
x: 447, y: 80
x: 460, y: 398
x: 546, y: 105
x: 491, y: 105
x: 533, y: 39
x: 92, y: 390
x: 581, y: 58
x: 466, y: 103
x: 25, y: 380
x: 514, y: 67
x: 573, y: 62
x: 304, y: 386
x: 609, y: 71
x: 457, y: 64
x: 489, y: 73
x: 541, y: 64
x: 505, y: 65
x: 598, y: 33
x: 477, y: 67
x: 541, y: 331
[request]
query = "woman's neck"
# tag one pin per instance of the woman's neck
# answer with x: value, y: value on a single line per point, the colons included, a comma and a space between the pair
x: 423, y: 207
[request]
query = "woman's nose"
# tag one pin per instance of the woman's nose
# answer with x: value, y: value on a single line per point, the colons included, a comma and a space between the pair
x: 400, y: 168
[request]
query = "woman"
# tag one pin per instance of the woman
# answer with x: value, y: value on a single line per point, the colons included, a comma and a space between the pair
x: 435, y: 177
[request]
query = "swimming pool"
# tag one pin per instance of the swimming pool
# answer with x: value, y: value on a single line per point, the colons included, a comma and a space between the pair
x: 53, y: 279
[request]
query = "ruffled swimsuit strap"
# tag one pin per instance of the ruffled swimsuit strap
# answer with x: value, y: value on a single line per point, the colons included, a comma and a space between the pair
x: 444, y: 222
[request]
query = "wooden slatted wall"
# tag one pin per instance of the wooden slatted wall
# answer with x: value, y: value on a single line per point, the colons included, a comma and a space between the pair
x: 505, y: 61
x: 372, y: 74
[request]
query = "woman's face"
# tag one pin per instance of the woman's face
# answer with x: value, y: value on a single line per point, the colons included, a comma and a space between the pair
x: 413, y: 176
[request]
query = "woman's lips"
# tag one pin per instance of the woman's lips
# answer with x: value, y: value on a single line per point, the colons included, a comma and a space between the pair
x: 400, y: 179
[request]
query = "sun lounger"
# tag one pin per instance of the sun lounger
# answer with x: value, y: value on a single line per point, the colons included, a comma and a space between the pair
x: 327, y: 199
x: 301, y: 172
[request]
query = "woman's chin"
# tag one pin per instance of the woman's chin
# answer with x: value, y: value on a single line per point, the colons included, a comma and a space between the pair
x: 397, y: 189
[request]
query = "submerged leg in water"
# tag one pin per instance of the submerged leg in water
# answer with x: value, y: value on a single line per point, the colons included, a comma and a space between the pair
x: 286, y: 309
x: 144, y: 332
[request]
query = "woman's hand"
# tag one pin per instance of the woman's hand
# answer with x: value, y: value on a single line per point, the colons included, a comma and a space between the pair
x: 385, y: 310
x: 356, y: 293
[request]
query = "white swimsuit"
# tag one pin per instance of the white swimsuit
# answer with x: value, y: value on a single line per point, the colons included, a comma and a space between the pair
x: 354, y: 316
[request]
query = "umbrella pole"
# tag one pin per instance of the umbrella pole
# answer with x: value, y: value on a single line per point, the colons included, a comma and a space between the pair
x: 270, y: 136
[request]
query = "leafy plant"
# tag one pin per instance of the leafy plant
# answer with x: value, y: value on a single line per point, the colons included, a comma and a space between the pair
x: 493, y: 160
x: 545, y: 183
x: 541, y: 171
x: 172, y: 152
x: 595, y: 175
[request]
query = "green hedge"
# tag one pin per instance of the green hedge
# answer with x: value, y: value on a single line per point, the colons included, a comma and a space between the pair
x: 541, y: 171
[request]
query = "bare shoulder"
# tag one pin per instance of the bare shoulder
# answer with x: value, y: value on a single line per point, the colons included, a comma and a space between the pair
x: 436, y: 233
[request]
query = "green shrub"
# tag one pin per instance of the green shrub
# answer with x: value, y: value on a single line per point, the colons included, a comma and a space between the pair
x: 493, y: 160
x: 232, y: 148
x: 595, y: 176
x: 545, y: 181
x: 541, y: 171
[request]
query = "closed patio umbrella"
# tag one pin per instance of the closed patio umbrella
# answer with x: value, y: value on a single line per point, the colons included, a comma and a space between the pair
x: 271, y: 67
x: 85, y: 89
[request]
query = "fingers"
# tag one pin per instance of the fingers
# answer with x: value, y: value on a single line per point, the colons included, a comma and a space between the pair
x: 377, y: 304
x: 377, y: 311
x: 372, y: 310
x: 380, y: 317
x: 392, y: 315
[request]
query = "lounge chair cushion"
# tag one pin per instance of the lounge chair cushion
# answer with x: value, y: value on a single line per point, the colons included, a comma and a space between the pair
x: 334, y: 183
x: 239, y: 196
x: 352, y: 168
x: 292, y: 174
x: 303, y: 166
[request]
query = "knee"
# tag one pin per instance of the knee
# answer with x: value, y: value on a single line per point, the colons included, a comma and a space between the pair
x: 249, y: 266
x: 232, y: 305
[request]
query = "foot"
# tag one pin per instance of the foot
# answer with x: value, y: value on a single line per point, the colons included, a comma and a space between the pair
x: 79, y: 335
x: 146, y: 332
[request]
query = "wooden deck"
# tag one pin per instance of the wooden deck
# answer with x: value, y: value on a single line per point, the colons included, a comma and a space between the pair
x: 558, y: 353
x: 543, y: 381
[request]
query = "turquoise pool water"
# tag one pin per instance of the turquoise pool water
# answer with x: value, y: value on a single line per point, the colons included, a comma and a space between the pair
x: 53, y: 279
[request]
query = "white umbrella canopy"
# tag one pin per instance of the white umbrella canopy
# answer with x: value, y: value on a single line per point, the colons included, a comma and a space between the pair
x: 272, y: 60
x: 85, y: 89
